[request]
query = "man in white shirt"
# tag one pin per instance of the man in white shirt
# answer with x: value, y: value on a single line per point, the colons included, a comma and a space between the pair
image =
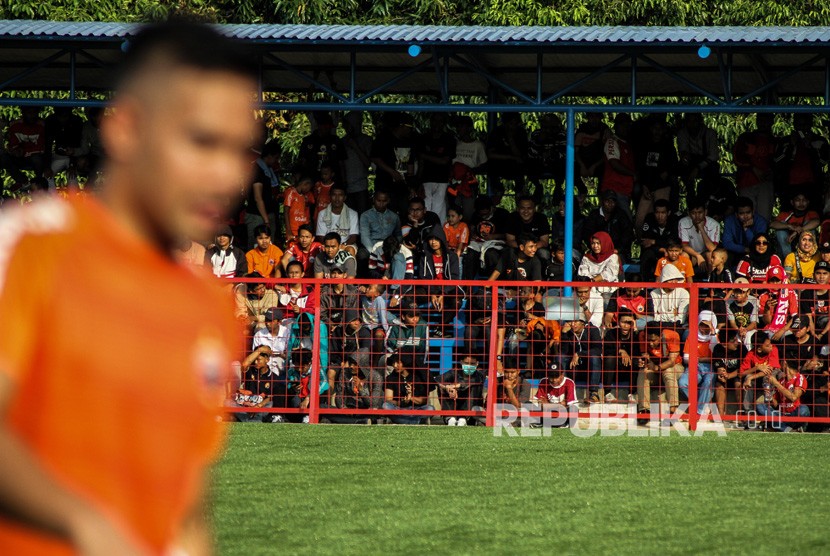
x: 699, y: 234
x: 338, y: 218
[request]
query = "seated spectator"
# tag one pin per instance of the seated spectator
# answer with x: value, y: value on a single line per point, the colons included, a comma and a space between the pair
x: 456, y: 231
x: 487, y: 234
x: 375, y: 317
x: 742, y: 310
x: 558, y: 223
x: 590, y: 304
x: 786, y: 399
x: 406, y: 387
x: 800, y: 347
x: 726, y: 361
x: 257, y: 389
x: 609, y: 218
x: 778, y: 307
x: 528, y: 326
x: 815, y: 304
x: 224, y: 259
x: 601, y: 263
x: 555, y: 271
x: 676, y: 257
x: 526, y: 220
x: 462, y: 389
x: 629, y: 300
x: 301, y: 350
x: 252, y: 300
x: 824, y: 249
x: 581, y: 350
x: 620, y: 348
x: 418, y: 225
x: 264, y: 258
x: 698, y: 152
x: 275, y: 334
x: 411, y: 336
x: 391, y: 260
x: 518, y: 264
x: 800, y: 263
x: 741, y: 228
x: 348, y: 338
x: 754, y: 265
x: 659, y: 357
x: 356, y: 387
x: 26, y: 149
x: 512, y: 389
x: 478, y: 317
x: 379, y: 222
x: 339, y: 219
x: 556, y: 390
x: 699, y: 233
x: 303, y: 250
x: 334, y: 254
x: 298, y: 203
x: 761, y: 360
x: 707, y: 339
x: 719, y: 273
x: 439, y: 263
x: 297, y: 298
x: 789, y: 224
x: 339, y: 305
x: 299, y: 381
x: 670, y: 305
x: 655, y: 232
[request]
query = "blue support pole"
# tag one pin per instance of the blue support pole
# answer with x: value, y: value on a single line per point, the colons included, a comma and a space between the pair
x: 570, y: 160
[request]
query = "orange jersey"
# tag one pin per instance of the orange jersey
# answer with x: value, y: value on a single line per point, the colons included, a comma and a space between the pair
x: 322, y: 196
x: 266, y: 262
x: 457, y: 235
x: 297, y: 205
x: 118, y: 359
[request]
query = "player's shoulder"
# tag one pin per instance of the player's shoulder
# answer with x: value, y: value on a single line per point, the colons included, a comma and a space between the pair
x: 37, y: 229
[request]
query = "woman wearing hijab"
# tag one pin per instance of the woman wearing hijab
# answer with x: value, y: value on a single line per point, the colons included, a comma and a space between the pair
x: 601, y: 264
x: 760, y: 258
x: 800, y: 263
x: 707, y: 339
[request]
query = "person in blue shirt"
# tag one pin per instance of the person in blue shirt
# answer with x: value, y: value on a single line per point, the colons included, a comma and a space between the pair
x: 740, y: 229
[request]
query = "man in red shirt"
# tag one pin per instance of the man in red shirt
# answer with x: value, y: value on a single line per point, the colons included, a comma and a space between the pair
x: 114, y: 456
x: 620, y: 166
x: 758, y: 362
x: 786, y: 398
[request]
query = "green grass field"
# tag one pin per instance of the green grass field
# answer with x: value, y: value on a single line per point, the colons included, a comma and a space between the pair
x: 412, y: 490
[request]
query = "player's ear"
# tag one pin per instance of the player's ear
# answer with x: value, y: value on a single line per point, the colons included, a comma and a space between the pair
x: 120, y: 129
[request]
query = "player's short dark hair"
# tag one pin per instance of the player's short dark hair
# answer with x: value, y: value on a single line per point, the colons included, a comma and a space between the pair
x: 185, y: 44
x: 332, y: 235
x: 418, y: 201
x: 526, y: 237
x: 662, y: 203
x: 338, y: 187
x: 744, y: 202
x: 696, y: 202
x: 653, y: 328
x: 525, y: 198
x: 262, y: 229
x: 295, y: 262
x: 673, y: 244
x: 307, y: 228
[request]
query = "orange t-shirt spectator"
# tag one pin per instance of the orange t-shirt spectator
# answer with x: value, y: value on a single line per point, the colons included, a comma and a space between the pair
x: 298, y: 201
x: 676, y: 257
x: 456, y: 232
x: 265, y: 257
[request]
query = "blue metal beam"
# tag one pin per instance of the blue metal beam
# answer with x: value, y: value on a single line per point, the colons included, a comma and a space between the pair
x: 31, y: 70
x: 494, y: 80
x: 393, y: 81
x: 779, y: 79
x: 311, y: 80
x: 677, y: 77
x: 601, y: 71
x: 570, y: 159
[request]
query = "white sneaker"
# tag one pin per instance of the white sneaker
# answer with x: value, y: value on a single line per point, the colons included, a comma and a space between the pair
x: 609, y: 397
x: 305, y: 419
x: 451, y: 422
x: 276, y: 419
x: 632, y: 398
x: 462, y: 422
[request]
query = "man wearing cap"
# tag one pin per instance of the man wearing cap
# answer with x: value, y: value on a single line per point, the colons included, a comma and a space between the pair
x: 275, y: 334
x: 558, y: 389
x: 609, y: 218
x: 824, y: 250
x: 225, y: 259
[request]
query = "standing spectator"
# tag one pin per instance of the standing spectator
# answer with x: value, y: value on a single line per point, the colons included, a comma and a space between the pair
x: 697, y: 146
x: 470, y: 157
x: 707, y: 339
x: 609, y: 218
x: 406, y: 387
x: 800, y: 159
x: 91, y: 152
x: 740, y: 229
x: 789, y: 224
x: 726, y: 361
x: 298, y: 202
x: 394, y: 152
x: 546, y: 155
x: 375, y: 317
x: 322, y: 189
x: 378, y: 223
x: 262, y: 207
x: 304, y: 250
x: 224, y: 259
x: 334, y: 254
x: 63, y: 141
x: 800, y: 263
x: 26, y: 147
x: 620, y: 172
x: 507, y: 148
x: 591, y: 137
x: 322, y: 146
x: 786, y: 400
x: 358, y: 147
x: 265, y: 258
x: 754, y: 154
x: 462, y: 389
x: 656, y: 167
x: 754, y: 265
x: 698, y: 233
x: 526, y: 220
x: 582, y: 351
x: 659, y: 357
x: 340, y: 219
x: 435, y: 155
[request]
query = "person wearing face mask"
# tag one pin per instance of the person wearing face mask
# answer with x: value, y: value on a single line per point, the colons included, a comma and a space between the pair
x: 462, y: 389
x: 707, y: 339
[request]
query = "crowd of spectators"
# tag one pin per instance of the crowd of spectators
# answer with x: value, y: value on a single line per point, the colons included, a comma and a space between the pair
x: 404, y: 205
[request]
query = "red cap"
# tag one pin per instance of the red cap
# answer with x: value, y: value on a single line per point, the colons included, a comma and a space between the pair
x: 776, y: 272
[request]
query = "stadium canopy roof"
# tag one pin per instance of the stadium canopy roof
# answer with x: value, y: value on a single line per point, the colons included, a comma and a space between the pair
x: 502, y: 68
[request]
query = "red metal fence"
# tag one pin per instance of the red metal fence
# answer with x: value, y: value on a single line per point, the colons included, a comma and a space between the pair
x: 410, y: 351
